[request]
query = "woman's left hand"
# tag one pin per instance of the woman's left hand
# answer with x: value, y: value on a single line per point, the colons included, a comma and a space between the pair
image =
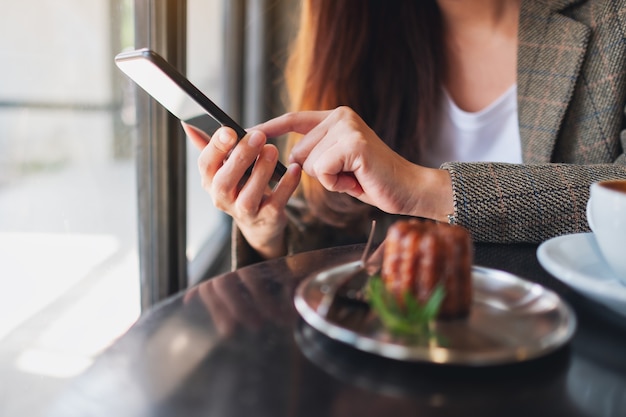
x: 345, y: 155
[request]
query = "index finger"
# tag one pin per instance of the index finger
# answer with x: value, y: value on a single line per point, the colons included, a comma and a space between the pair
x: 297, y: 122
x: 199, y: 138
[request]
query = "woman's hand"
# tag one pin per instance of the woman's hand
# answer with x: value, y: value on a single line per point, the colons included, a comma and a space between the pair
x: 258, y: 210
x: 345, y: 155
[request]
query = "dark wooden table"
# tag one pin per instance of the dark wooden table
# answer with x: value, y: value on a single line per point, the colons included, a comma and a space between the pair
x: 235, y: 346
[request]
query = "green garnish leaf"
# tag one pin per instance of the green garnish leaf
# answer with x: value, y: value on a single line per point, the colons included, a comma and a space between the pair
x: 412, y: 319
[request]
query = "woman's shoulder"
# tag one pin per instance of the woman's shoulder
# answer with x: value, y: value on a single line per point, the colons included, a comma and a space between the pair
x: 603, y: 20
x: 591, y: 12
x: 597, y: 13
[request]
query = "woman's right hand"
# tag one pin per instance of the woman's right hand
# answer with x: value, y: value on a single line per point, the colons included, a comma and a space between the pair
x: 258, y: 210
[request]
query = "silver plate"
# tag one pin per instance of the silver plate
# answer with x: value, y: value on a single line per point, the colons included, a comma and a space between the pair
x: 511, y: 320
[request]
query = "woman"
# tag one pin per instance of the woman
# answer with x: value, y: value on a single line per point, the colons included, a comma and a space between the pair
x: 394, y: 106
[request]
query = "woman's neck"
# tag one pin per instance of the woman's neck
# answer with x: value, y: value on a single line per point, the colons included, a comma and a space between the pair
x: 479, y: 17
x: 481, y: 49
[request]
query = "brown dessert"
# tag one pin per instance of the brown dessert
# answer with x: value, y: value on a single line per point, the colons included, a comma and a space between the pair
x: 420, y: 254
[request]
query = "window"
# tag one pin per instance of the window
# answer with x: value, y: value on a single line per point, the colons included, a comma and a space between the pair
x: 207, y: 228
x: 101, y: 209
x: 238, y: 63
x: 68, y: 229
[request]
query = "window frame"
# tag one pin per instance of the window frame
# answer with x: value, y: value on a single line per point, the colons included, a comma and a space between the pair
x: 253, y: 31
x: 161, y: 160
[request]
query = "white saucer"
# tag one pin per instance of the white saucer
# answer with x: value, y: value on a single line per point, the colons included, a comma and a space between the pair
x: 575, y: 259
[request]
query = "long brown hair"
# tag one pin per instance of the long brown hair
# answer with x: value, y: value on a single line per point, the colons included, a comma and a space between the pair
x: 382, y: 58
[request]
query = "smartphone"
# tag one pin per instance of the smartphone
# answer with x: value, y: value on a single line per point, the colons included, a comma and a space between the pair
x: 177, y: 94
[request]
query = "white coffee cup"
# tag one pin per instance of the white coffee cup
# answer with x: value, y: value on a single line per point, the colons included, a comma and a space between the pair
x: 606, y: 214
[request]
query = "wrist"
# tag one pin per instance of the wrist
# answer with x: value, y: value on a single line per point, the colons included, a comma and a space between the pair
x: 433, y: 197
x: 444, y: 210
x: 273, y: 247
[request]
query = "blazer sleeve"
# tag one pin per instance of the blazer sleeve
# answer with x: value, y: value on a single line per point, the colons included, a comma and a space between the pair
x: 509, y: 203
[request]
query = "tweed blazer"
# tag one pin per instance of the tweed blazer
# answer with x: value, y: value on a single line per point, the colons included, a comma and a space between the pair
x: 571, y: 83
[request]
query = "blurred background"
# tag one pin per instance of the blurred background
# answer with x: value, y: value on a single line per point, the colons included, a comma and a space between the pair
x: 80, y: 224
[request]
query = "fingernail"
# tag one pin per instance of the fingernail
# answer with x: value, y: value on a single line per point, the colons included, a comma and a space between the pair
x: 191, y: 129
x: 223, y: 137
x: 186, y: 127
x: 292, y: 159
x: 256, y: 139
x: 270, y: 154
x: 294, y: 168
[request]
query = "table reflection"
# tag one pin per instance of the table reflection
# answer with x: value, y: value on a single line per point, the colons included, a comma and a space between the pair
x: 245, y: 300
x: 235, y: 346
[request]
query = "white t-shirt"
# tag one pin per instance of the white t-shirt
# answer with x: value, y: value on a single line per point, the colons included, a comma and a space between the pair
x: 489, y: 135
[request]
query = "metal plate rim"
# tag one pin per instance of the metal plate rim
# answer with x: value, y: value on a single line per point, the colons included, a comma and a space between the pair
x: 439, y: 355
